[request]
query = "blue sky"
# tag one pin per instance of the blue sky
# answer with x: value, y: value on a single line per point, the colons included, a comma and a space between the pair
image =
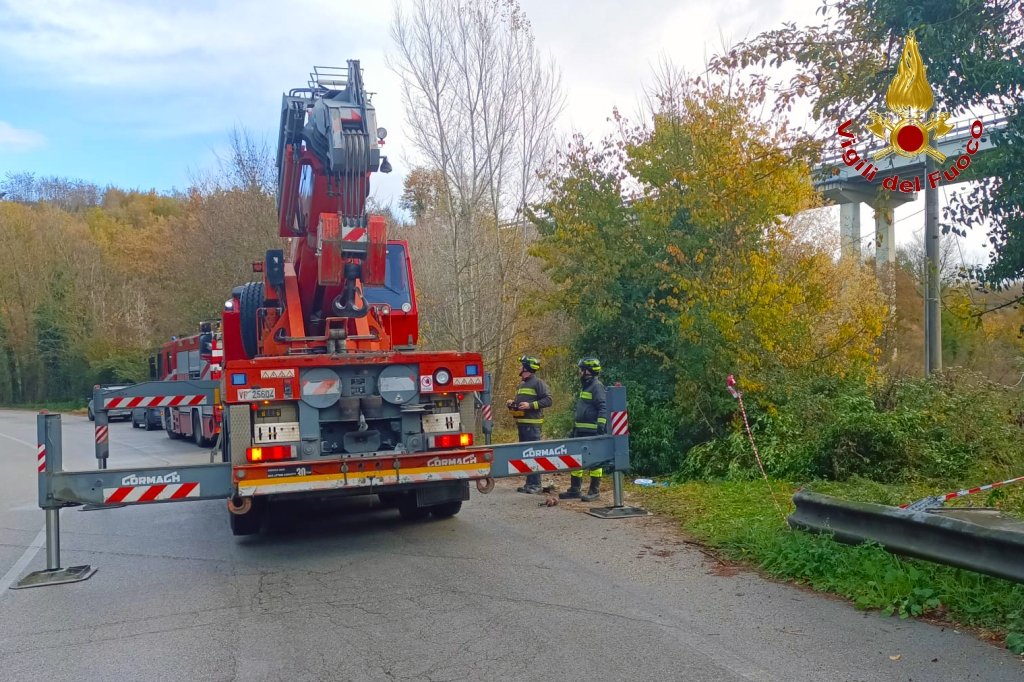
x: 144, y: 93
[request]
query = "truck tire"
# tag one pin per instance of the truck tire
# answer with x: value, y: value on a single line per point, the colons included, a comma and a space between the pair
x: 247, y: 524
x: 446, y: 509
x: 250, y: 299
x: 168, y: 419
x: 197, y: 429
x: 408, y: 510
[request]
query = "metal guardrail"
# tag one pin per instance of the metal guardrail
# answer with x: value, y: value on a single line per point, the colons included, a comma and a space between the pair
x: 997, y: 552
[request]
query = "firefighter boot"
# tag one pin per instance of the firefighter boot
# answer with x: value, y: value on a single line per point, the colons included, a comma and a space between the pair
x: 574, y: 489
x: 594, y: 491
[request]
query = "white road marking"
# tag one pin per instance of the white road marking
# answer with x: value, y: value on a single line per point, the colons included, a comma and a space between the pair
x: 18, y: 440
x: 20, y: 564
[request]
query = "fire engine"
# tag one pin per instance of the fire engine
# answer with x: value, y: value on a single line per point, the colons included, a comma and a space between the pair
x: 187, y: 358
x: 323, y: 387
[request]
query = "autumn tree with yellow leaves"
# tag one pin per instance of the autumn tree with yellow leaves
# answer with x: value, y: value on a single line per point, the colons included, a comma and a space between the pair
x: 677, y: 249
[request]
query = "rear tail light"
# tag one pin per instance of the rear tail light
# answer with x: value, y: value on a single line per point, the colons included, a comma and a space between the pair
x: 453, y: 440
x: 270, y: 453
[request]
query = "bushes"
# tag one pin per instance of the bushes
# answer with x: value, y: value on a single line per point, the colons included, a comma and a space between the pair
x: 826, y: 428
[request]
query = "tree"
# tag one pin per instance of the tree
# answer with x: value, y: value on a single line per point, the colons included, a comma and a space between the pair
x: 697, y: 273
x: 973, y: 51
x: 481, y: 106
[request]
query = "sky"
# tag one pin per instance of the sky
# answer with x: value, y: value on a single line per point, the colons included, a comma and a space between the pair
x: 143, y: 94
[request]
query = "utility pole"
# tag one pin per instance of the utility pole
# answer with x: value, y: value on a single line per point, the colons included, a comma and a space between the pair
x: 932, y: 313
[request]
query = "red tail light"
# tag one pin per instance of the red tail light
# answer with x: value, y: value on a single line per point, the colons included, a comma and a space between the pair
x: 453, y: 440
x: 270, y: 453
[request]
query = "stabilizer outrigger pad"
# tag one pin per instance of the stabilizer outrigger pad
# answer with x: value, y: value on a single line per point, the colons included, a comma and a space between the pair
x: 56, y: 576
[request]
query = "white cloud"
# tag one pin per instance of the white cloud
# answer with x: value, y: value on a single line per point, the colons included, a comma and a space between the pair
x: 19, y: 139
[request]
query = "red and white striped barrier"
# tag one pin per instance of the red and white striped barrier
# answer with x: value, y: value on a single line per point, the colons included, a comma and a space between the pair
x: 101, y: 434
x: 543, y: 464
x: 150, y: 493
x: 620, y: 424
x: 487, y: 413
x: 41, y: 457
x: 154, y: 401
x: 939, y: 499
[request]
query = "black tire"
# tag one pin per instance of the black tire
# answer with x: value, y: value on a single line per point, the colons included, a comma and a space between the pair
x: 389, y: 500
x: 446, y: 509
x: 167, y: 426
x: 197, y: 429
x: 135, y: 424
x: 92, y: 417
x: 250, y: 299
x: 409, y: 511
x: 250, y: 523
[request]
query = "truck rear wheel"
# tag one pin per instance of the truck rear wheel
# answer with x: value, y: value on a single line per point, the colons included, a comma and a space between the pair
x: 408, y: 510
x: 446, y: 509
x: 168, y: 421
x: 249, y: 523
x: 250, y: 299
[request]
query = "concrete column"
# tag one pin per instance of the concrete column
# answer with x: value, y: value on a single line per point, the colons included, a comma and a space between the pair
x: 849, y: 229
x: 885, y: 238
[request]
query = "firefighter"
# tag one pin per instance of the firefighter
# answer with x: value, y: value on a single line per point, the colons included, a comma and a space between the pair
x: 591, y: 420
x: 527, y: 406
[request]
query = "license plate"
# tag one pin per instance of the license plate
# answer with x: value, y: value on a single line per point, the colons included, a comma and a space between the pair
x: 257, y: 394
x: 435, y: 423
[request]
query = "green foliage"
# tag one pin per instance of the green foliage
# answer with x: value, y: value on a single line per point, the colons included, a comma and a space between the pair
x: 700, y: 275
x: 740, y: 520
x: 944, y: 429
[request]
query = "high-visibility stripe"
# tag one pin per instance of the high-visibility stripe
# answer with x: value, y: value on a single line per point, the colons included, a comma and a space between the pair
x: 620, y: 423
x: 154, y: 401
x: 151, y: 493
x: 602, y: 420
x: 543, y: 464
x: 586, y: 395
x: 526, y: 391
x: 530, y: 421
x: 581, y: 425
x: 249, y: 486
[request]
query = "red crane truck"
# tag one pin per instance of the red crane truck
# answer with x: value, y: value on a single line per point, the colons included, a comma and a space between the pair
x: 323, y: 387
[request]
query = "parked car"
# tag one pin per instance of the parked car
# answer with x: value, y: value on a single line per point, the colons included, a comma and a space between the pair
x: 148, y: 418
x: 125, y: 414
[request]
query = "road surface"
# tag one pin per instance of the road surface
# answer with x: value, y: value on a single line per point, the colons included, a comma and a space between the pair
x: 506, y: 590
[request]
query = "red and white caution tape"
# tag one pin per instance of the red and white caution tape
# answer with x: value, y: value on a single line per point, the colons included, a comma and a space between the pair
x: 731, y: 385
x: 940, y: 499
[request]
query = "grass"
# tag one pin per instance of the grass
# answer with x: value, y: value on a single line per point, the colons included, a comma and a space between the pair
x: 740, y: 520
x: 56, y: 406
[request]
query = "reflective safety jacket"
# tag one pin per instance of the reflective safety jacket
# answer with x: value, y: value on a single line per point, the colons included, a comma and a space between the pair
x: 591, y: 408
x: 535, y: 392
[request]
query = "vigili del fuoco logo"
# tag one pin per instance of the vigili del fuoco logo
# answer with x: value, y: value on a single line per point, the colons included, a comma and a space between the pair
x: 905, y: 130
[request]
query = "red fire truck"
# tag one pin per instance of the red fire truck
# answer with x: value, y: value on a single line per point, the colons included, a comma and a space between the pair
x: 199, y: 356
x: 324, y: 388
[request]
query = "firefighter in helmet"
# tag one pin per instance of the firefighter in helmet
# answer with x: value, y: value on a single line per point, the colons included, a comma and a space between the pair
x: 591, y: 420
x: 527, y: 406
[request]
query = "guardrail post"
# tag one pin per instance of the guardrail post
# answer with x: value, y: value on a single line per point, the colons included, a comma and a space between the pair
x: 99, y: 409
x: 50, y: 461
x: 618, y: 425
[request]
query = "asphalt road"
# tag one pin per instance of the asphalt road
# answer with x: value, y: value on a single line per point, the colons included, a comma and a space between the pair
x: 506, y: 590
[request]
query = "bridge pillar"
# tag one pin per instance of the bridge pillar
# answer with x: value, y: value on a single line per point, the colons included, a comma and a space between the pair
x: 849, y: 229
x: 885, y: 237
